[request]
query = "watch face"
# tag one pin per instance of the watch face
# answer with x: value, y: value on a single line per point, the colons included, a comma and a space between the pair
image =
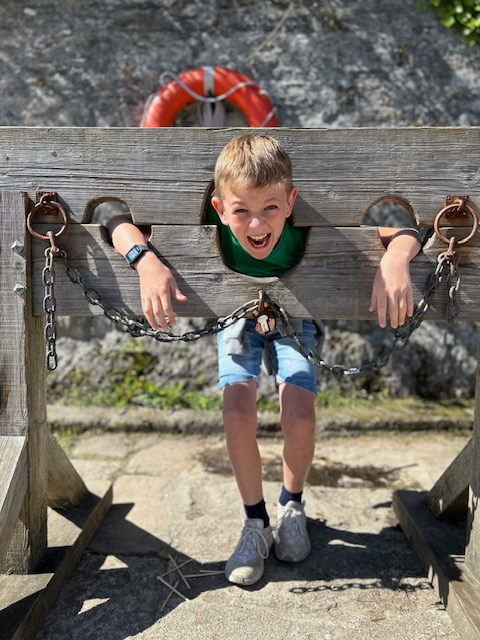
x: 135, y: 252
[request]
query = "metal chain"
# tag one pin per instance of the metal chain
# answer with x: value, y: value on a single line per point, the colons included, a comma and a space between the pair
x: 140, y: 327
x: 135, y: 327
x: 49, y: 304
x: 401, y: 335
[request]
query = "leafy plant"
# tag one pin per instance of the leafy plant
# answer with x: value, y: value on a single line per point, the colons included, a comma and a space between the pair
x: 464, y: 14
x: 133, y: 390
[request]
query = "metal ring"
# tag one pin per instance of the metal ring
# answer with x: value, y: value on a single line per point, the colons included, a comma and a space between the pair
x: 40, y: 208
x: 451, y: 207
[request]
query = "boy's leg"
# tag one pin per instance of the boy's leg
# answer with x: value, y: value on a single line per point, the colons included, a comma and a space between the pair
x: 298, y: 428
x: 297, y: 388
x: 246, y: 564
x: 238, y: 378
x: 292, y: 542
x: 240, y: 422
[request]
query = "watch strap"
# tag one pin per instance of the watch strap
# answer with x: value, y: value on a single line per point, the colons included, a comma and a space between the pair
x: 135, y: 253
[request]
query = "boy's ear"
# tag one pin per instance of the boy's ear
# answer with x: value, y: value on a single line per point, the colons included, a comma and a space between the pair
x: 217, y: 205
x: 291, y: 200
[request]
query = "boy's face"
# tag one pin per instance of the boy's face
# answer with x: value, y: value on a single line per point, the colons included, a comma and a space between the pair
x: 256, y: 216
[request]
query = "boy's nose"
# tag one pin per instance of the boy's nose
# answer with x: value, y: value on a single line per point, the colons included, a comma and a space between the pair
x: 257, y: 220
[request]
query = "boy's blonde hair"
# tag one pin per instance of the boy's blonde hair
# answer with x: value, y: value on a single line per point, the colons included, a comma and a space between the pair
x: 253, y: 160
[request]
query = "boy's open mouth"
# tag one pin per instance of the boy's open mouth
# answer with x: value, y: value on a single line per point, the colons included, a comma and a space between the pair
x: 259, y: 241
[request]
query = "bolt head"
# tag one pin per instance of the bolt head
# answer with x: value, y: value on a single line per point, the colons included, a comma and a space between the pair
x: 17, y: 247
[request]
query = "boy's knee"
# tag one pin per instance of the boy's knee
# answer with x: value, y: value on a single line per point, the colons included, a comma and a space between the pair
x: 237, y: 416
x: 299, y: 423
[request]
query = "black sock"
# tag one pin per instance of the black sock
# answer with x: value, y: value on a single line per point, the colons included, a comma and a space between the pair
x: 259, y: 511
x: 286, y: 496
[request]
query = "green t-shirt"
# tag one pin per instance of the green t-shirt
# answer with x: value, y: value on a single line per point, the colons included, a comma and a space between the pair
x: 283, y: 257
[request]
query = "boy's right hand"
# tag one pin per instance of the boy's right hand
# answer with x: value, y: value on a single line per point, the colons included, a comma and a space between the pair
x: 157, y: 287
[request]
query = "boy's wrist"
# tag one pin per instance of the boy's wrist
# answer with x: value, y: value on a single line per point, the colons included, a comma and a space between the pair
x: 145, y: 260
x: 134, y: 254
x: 404, y: 244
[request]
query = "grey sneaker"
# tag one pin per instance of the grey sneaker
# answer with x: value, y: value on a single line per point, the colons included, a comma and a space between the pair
x: 292, y: 543
x: 246, y: 563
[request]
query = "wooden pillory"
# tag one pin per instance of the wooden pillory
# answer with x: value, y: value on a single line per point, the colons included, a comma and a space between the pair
x: 162, y: 176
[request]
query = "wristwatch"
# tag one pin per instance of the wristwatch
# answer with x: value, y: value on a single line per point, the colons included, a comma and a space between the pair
x: 135, y: 253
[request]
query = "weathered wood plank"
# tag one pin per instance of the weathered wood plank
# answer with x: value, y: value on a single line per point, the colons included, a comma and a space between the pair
x: 162, y: 173
x: 449, y: 495
x: 13, y: 334
x: 22, y: 378
x: 25, y: 600
x: 440, y: 547
x: 472, y: 553
x: 343, y: 260
x: 13, y: 485
x: 66, y: 488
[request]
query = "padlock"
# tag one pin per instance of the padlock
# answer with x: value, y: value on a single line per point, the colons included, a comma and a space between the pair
x: 265, y: 322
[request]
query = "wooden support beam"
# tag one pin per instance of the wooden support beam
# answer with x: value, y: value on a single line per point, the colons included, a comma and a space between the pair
x: 472, y: 553
x: 13, y: 486
x: 25, y: 600
x: 348, y: 257
x: 22, y: 381
x: 162, y: 173
x: 450, y: 550
x: 449, y: 495
x: 66, y: 488
x: 441, y: 546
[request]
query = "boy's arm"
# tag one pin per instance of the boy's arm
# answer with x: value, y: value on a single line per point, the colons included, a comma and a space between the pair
x: 157, y: 283
x: 392, y: 286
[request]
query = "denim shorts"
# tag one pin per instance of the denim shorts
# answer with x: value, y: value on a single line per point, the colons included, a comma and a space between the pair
x: 287, y: 363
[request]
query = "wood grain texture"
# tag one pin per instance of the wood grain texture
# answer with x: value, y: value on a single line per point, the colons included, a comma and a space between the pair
x: 13, y: 486
x: 22, y: 380
x: 440, y: 547
x: 162, y: 173
x: 13, y: 329
x: 66, y: 488
x: 337, y: 260
x: 472, y: 553
x: 449, y: 495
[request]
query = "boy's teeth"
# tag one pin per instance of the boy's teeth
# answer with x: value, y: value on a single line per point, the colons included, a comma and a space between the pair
x: 259, y: 240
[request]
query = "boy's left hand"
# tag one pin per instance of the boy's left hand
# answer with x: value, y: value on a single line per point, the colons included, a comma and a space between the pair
x: 392, y: 287
x: 392, y: 290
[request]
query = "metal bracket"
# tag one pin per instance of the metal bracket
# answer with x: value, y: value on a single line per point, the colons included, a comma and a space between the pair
x: 452, y: 212
x: 48, y: 196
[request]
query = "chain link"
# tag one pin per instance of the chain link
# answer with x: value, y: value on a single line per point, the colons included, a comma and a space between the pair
x: 49, y: 306
x: 140, y: 327
x: 401, y: 335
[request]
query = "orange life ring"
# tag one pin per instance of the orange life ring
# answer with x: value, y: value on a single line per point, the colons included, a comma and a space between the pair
x: 210, y: 84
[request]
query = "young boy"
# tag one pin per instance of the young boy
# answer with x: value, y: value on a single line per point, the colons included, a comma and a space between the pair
x: 253, y: 200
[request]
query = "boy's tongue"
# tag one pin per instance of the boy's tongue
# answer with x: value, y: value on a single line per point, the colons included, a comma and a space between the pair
x: 259, y: 241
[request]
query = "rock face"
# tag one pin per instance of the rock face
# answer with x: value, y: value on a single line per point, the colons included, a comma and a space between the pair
x: 325, y: 63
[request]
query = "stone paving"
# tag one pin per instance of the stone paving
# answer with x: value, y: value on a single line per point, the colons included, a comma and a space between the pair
x: 175, y: 502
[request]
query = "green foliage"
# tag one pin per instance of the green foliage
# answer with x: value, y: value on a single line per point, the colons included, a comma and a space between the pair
x: 133, y: 390
x: 337, y: 396
x: 464, y: 14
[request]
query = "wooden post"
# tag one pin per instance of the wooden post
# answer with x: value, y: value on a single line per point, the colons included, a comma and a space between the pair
x: 23, y: 390
x: 34, y: 471
x: 472, y: 552
x: 449, y: 552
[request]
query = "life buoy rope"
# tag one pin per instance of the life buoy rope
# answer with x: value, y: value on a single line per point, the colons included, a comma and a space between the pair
x: 208, y: 85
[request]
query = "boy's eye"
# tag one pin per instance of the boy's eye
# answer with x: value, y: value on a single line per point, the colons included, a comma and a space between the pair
x: 271, y: 207
x: 240, y: 211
